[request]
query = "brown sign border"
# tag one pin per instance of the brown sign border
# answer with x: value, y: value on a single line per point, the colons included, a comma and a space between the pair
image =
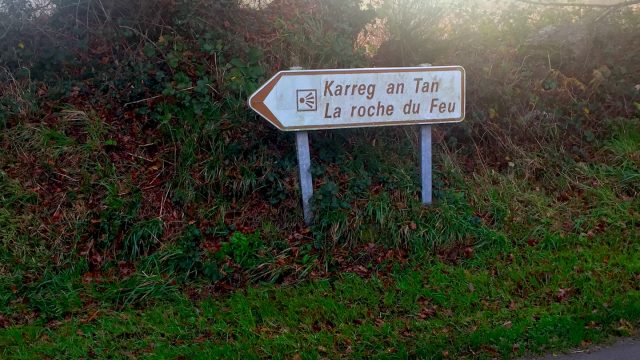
x: 256, y: 101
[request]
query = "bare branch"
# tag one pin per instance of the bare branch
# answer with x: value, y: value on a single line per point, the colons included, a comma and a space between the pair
x: 606, y: 6
x: 6, y: 30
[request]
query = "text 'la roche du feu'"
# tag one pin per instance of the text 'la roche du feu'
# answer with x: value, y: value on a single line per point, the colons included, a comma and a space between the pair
x: 417, y: 86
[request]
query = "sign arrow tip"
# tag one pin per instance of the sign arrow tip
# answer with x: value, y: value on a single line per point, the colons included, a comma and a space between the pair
x: 256, y: 101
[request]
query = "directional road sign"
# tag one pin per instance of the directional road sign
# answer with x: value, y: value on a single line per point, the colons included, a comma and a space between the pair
x: 329, y: 99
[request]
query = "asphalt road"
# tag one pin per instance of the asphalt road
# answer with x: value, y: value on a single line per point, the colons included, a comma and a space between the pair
x: 622, y: 350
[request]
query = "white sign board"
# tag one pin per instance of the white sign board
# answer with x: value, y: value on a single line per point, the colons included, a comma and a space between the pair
x: 330, y: 99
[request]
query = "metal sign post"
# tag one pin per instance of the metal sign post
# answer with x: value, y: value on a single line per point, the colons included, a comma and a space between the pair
x: 306, y: 181
x: 304, y: 166
x: 302, y: 100
x: 426, y: 165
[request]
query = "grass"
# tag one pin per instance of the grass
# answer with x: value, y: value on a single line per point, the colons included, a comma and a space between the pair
x: 502, y: 303
x: 501, y: 266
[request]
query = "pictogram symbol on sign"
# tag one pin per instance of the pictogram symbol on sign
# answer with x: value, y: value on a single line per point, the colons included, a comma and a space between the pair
x: 307, y: 100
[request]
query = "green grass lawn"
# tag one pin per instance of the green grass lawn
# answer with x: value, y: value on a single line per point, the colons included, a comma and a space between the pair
x: 562, y: 293
x: 531, y: 270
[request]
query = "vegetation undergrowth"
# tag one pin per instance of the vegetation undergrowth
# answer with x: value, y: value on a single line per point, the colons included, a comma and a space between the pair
x: 145, y: 210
